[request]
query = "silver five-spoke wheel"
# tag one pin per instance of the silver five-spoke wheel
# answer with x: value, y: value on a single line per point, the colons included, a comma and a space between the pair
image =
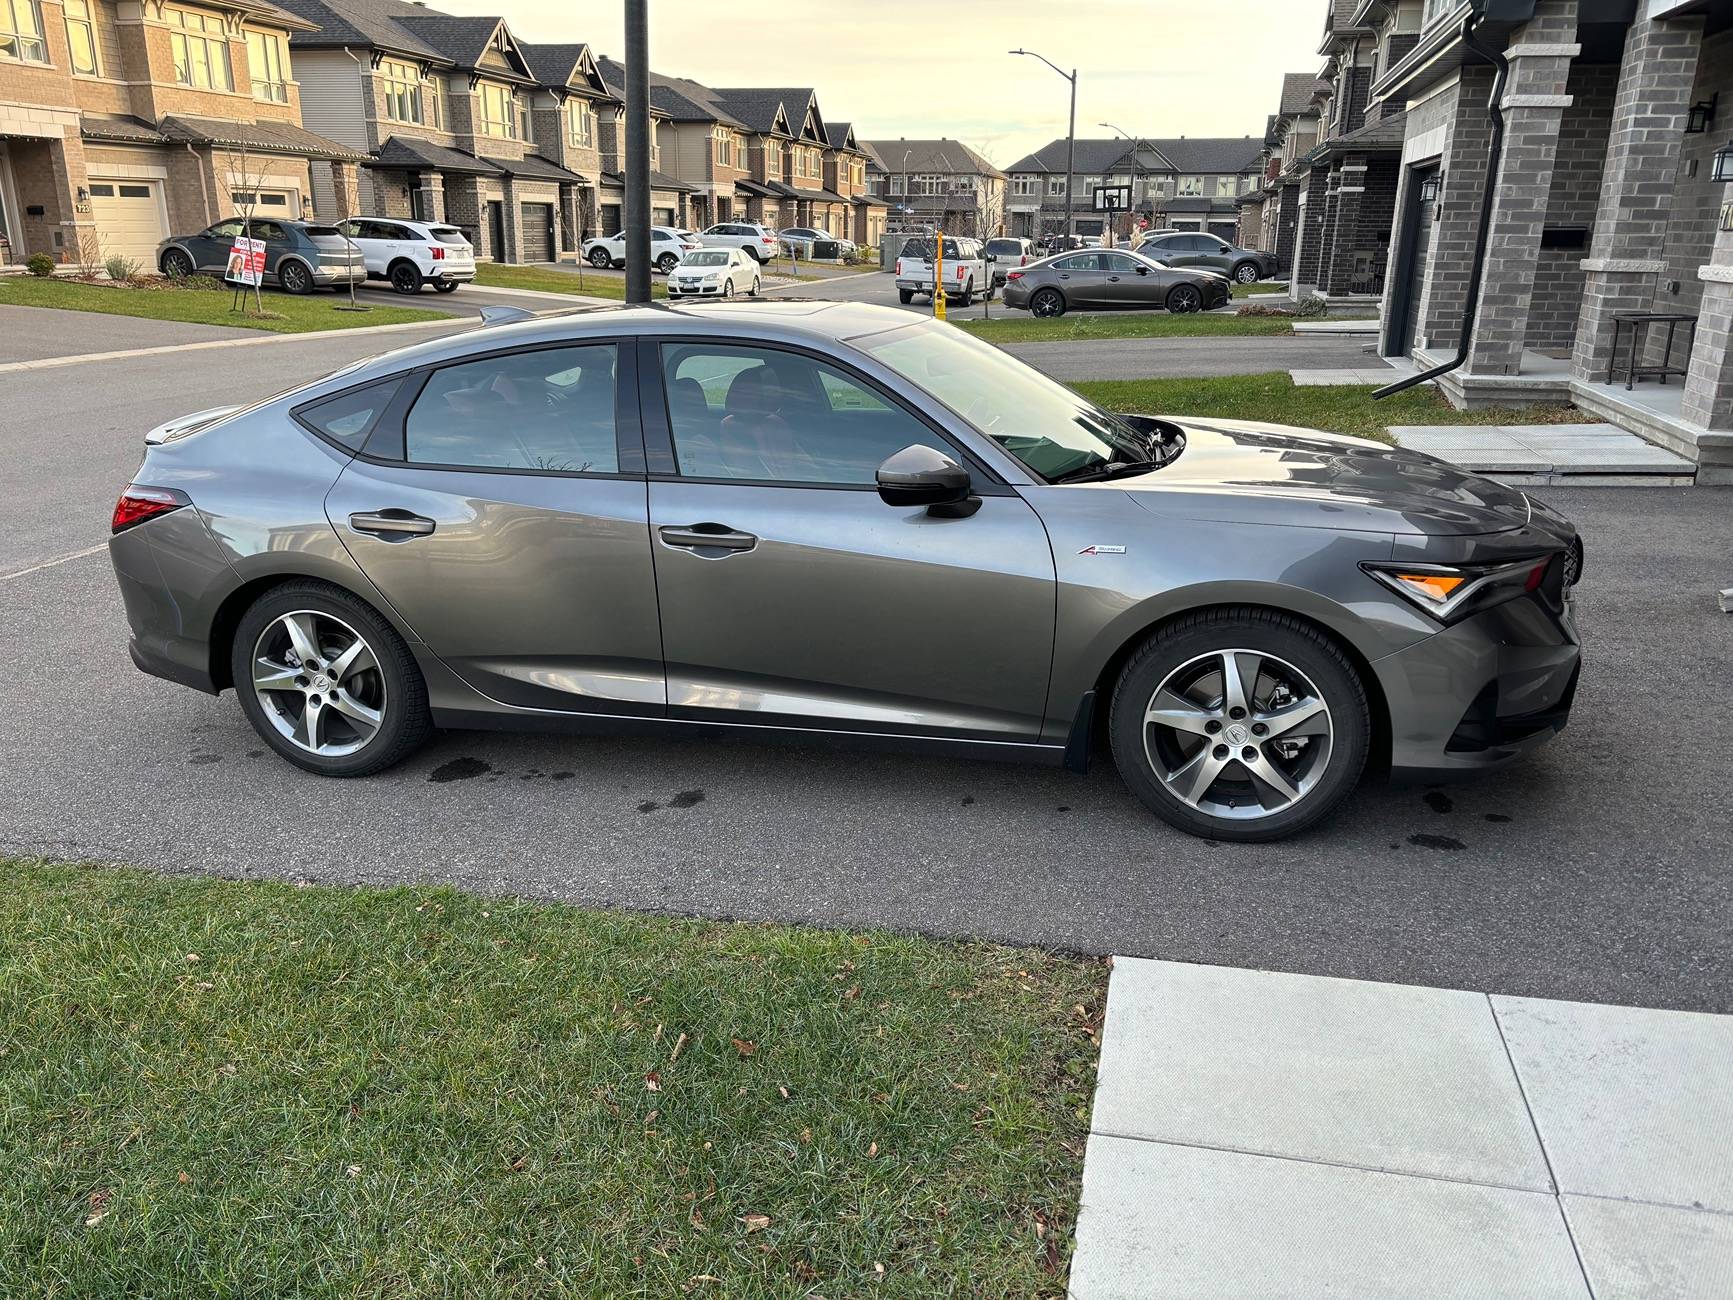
x: 319, y: 683
x: 1238, y: 734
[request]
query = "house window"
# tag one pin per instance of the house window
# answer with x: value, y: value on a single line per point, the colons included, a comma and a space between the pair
x: 268, y: 62
x: 402, y: 84
x: 1056, y: 186
x: 772, y: 154
x: 498, y: 111
x: 80, y: 36
x: 201, y: 50
x: 437, y: 86
x: 1191, y: 187
x: 580, y: 125
x: 21, y: 31
x: 1025, y: 185
x: 526, y: 122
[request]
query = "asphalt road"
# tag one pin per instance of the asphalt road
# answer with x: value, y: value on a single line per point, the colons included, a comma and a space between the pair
x: 1597, y: 870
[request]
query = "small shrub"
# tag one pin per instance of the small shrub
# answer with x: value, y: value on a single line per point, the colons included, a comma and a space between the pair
x: 121, y: 269
x: 1259, y: 309
x: 197, y: 282
x: 1312, y: 306
x: 41, y: 264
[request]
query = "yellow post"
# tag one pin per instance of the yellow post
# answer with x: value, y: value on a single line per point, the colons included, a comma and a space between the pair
x: 939, y: 271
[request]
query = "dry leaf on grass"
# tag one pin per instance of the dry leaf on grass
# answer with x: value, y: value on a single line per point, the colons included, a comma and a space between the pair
x: 653, y: 1082
x: 755, y: 1222
x: 746, y: 1047
x: 679, y: 1046
x: 872, y: 1151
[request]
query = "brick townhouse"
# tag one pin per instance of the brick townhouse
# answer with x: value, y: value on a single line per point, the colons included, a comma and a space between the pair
x: 121, y: 122
x: 938, y: 182
x: 1292, y: 133
x: 1177, y: 183
x: 1604, y: 203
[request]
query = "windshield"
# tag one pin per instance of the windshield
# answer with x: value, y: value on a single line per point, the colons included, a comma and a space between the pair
x: 1004, y: 246
x: 709, y: 257
x: 1045, y: 425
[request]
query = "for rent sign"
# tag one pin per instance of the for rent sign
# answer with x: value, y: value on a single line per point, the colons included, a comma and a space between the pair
x: 246, y: 262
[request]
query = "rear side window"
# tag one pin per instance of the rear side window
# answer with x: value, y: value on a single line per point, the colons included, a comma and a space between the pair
x: 448, y: 235
x: 328, y: 230
x: 349, y: 417
x: 551, y: 410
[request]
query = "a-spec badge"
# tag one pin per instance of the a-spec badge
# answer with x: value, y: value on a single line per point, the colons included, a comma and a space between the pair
x: 1102, y: 550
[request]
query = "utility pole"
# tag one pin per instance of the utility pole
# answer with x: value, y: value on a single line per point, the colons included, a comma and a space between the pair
x: 637, y: 214
x: 1070, y: 139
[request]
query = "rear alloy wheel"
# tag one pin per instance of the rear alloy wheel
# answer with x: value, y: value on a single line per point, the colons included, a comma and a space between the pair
x: 176, y: 264
x: 406, y: 278
x: 1047, y: 302
x: 1246, y: 273
x: 326, y: 682
x: 1183, y: 299
x: 1240, y: 725
x: 600, y: 259
x: 294, y: 277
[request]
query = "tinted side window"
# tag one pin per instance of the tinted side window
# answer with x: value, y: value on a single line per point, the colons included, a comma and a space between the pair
x: 766, y: 416
x: 551, y: 409
x: 1121, y: 264
x: 224, y: 230
x: 349, y: 417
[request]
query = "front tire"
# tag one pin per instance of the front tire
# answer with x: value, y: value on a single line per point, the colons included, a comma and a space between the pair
x: 326, y: 682
x: 1240, y: 724
x: 176, y: 264
x: 755, y: 286
x: 600, y: 259
x: 406, y: 278
x: 1184, y: 299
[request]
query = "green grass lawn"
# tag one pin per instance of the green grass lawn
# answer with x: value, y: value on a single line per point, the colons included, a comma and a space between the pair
x: 287, y: 313
x: 1336, y: 409
x: 1021, y: 327
x: 596, y: 284
x: 1257, y: 288
x: 211, y: 1088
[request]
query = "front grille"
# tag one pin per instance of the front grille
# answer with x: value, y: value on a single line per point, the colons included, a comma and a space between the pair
x: 1574, y: 562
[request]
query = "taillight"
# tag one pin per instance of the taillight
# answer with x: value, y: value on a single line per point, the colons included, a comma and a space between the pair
x: 1013, y: 275
x: 899, y: 266
x: 138, y: 504
x: 438, y: 253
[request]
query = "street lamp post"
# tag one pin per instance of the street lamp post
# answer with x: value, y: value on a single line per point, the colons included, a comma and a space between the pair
x: 1136, y: 163
x: 908, y: 208
x: 1070, y: 137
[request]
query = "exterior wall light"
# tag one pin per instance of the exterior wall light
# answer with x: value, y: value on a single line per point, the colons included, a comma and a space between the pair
x: 1723, y: 166
x: 1429, y: 190
x: 1701, y: 115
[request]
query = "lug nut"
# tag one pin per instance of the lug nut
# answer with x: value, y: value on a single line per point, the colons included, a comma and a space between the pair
x: 1221, y: 751
x: 1212, y: 726
x: 1236, y: 712
x: 1259, y: 729
x: 1249, y: 754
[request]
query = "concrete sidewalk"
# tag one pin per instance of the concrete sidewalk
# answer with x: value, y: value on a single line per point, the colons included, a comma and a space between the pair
x: 1261, y: 1135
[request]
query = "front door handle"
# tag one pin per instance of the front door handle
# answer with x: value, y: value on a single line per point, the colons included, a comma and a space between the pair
x: 392, y: 524
x: 707, y: 537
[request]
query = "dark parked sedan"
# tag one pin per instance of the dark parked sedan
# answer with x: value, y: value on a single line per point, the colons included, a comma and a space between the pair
x: 838, y: 521
x: 1108, y: 278
x: 299, y: 256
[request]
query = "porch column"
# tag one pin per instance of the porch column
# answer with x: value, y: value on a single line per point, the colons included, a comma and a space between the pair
x: 1535, y: 100
x: 1309, y: 242
x: 1709, y: 383
x: 430, y: 192
x: 1286, y: 220
x: 345, y: 189
x: 1636, y: 200
x: 512, y: 222
x: 571, y: 217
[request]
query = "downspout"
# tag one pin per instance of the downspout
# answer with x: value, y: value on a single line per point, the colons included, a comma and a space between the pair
x: 1495, y: 153
x: 204, y: 185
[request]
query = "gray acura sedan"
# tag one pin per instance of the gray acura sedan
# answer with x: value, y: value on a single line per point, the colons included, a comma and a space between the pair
x: 834, y: 521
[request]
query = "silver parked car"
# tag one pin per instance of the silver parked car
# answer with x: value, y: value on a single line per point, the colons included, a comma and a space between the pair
x: 836, y: 520
x: 1102, y: 279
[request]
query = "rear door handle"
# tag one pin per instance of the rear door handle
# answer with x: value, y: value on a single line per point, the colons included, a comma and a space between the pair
x: 707, y: 537
x: 392, y: 524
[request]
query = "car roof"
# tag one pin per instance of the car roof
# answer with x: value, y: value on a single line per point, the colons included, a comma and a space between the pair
x: 796, y: 321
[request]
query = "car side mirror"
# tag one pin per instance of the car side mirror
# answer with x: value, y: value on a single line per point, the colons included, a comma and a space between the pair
x: 920, y: 476
x: 1143, y: 270
x: 992, y: 257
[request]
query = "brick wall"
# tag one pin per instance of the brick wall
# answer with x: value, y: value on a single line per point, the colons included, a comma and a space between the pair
x: 1399, y: 47
x: 1576, y: 188
x: 1696, y: 199
x: 1468, y: 135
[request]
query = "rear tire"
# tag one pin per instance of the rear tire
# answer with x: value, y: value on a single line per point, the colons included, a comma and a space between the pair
x: 1286, y: 648
x: 1047, y: 303
x: 445, y: 286
x: 1246, y: 273
x: 905, y: 296
x: 406, y: 277
x: 666, y: 263
x: 384, y: 678
x: 968, y: 297
x: 294, y: 277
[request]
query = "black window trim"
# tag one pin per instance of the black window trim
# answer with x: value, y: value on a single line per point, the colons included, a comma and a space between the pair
x: 385, y: 444
x: 299, y: 413
x: 658, y: 435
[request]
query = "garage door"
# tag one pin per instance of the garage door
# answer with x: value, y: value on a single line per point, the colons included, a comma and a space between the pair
x: 129, y: 220
x: 662, y: 216
x: 538, y: 232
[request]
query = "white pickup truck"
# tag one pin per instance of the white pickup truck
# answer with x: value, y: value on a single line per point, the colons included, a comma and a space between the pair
x: 965, y: 270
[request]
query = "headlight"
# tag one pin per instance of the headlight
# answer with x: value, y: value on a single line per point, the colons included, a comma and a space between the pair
x: 1452, y: 592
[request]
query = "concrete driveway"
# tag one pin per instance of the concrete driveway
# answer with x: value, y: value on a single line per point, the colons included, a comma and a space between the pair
x: 1596, y: 871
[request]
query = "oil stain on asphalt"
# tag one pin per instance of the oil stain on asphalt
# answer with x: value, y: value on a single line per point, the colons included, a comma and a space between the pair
x: 1445, y: 842
x: 459, y: 769
x: 685, y: 799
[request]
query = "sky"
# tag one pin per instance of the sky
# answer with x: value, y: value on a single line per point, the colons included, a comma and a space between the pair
x: 923, y: 69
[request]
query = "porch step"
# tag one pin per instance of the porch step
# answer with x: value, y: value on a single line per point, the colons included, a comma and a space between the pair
x: 1368, y: 327
x: 1538, y: 454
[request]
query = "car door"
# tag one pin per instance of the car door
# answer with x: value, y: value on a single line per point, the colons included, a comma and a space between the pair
x: 1080, y: 278
x: 791, y: 594
x: 1126, y: 280
x: 210, y: 249
x: 277, y: 243
x: 499, y: 506
x: 366, y: 237
x: 1169, y: 251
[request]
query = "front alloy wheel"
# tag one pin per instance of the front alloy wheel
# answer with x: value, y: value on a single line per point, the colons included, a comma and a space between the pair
x: 1241, y: 725
x: 1184, y: 299
x: 666, y: 263
x: 600, y: 259
x: 295, y: 278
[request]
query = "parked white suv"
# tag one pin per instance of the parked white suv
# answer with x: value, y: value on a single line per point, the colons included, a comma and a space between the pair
x: 410, y: 254
x: 748, y: 236
x: 667, y: 246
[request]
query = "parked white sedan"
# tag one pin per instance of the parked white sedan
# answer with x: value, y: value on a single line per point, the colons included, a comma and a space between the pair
x: 714, y: 273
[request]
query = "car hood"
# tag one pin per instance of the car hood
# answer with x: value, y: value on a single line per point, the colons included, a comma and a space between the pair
x: 1233, y: 470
